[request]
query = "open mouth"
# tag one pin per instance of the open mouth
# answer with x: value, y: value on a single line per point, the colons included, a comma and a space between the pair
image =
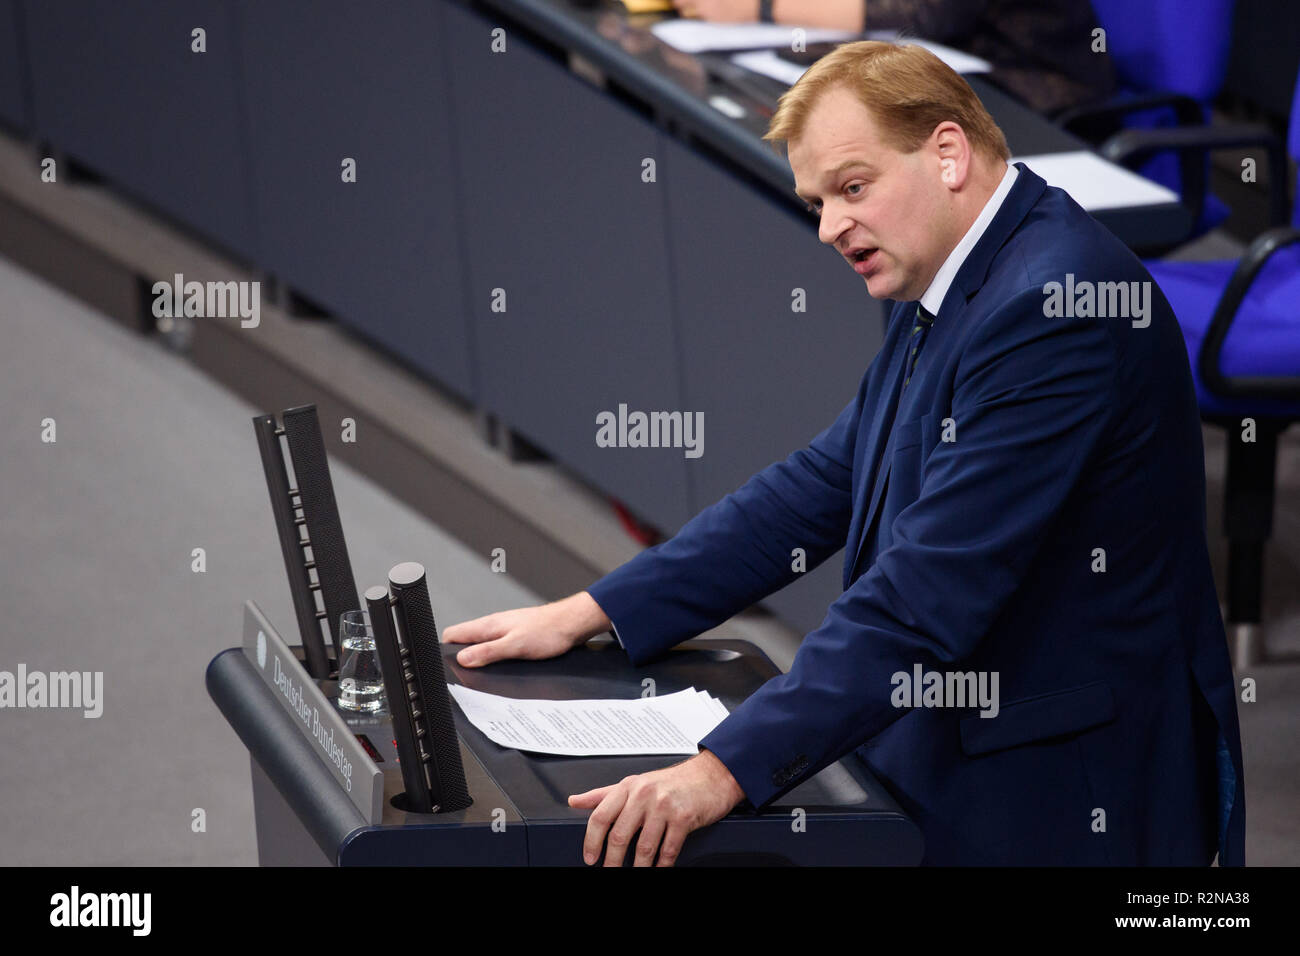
x: 863, y: 259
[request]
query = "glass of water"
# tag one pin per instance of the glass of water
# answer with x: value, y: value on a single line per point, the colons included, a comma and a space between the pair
x: 361, y: 685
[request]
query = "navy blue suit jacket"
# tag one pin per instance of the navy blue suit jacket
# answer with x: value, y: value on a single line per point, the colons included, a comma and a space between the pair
x: 976, y: 550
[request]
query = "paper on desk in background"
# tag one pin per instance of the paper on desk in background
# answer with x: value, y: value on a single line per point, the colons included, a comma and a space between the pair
x: 960, y: 61
x: 767, y: 63
x: 672, y: 724
x: 697, y: 36
x: 1095, y: 183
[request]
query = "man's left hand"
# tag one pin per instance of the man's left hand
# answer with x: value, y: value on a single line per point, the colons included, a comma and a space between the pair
x: 665, y: 805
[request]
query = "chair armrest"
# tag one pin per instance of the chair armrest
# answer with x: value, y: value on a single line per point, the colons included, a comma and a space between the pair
x: 1186, y: 110
x: 1131, y: 146
x: 1245, y: 386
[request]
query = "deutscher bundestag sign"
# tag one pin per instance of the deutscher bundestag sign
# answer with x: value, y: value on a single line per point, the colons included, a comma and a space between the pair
x: 313, y: 714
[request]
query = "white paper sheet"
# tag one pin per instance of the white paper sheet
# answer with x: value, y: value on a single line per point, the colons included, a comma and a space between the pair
x: 960, y: 61
x: 767, y: 63
x: 672, y: 724
x: 696, y: 36
x: 1096, y: 183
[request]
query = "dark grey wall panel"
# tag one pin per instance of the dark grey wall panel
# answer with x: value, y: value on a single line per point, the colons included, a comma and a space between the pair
x: 557, y: 215
x: 14, y: 108
x: 328, y: 80
x: 116, y: 86
x: 767, y: 378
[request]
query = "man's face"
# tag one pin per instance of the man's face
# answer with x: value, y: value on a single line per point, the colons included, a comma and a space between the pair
x: 886, y: 212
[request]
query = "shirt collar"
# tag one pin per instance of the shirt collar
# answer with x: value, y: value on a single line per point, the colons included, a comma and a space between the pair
x: 934, y: 295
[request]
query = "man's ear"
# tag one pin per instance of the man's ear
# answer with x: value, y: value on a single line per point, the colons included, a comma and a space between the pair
x: 953, y: 153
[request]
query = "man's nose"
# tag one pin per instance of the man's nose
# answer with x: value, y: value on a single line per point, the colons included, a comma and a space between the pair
x: 831, y: 226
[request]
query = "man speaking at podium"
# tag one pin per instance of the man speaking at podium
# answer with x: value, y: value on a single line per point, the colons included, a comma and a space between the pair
x: 1019, y: 488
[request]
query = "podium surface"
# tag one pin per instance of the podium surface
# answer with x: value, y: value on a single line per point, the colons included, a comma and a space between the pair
x: 520, y: 814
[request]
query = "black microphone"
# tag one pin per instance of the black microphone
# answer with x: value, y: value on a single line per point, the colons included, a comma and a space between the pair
x: 410, y: 654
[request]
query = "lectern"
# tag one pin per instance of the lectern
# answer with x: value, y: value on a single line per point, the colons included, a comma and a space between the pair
x: 519, y: 813
x: 422, y: 785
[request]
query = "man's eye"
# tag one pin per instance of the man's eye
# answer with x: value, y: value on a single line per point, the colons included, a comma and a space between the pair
x: 814, y: 208
x: 855, y: 186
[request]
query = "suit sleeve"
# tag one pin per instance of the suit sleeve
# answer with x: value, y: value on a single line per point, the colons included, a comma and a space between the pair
x: 739, y: 550
x: 1031, y: 400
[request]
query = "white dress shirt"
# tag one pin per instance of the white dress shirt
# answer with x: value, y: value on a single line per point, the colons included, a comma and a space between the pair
x: 933, y: 297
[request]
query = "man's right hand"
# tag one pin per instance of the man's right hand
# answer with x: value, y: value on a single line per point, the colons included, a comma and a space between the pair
x: 528, y: 633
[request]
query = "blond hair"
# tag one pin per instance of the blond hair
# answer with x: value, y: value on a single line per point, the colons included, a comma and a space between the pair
x: 907, y: 89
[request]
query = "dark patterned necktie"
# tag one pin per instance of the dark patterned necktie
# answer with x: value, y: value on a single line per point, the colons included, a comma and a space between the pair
x: 920, y: 329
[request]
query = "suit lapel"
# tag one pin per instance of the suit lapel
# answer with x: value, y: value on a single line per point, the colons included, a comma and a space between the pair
x: 882, y: 458
x: 876, y: 432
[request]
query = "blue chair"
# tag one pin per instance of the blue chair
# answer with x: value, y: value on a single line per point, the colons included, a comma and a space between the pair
x: 1171, y: 57
x: 1241, y: 322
